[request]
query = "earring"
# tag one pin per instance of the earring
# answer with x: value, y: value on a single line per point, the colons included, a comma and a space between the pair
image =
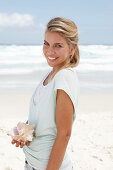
x: 71, y: 57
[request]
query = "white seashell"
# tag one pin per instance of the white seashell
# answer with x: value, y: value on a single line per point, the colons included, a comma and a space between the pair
x: 22, y: 132
x: 15, y: 131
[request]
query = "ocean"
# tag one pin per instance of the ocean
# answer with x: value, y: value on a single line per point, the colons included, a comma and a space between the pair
x: 22, y: 66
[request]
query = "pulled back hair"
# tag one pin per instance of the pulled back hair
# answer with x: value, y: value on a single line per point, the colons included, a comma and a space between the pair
x: 67, y: 29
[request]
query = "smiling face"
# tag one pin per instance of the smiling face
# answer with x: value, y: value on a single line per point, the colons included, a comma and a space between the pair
x: 56, y: 49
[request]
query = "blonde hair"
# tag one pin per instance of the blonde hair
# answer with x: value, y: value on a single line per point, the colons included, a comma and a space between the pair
x: 67, y: 29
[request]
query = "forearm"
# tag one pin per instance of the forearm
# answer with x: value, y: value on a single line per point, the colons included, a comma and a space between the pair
x: 57, y: 152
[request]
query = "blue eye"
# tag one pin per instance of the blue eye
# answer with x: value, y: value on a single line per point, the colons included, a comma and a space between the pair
x: 58, y: 45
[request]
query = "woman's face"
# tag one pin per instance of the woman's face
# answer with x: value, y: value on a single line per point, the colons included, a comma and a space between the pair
x: 56, y: 49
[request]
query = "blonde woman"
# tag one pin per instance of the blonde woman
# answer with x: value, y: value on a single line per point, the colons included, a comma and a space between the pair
x: 53, y: 104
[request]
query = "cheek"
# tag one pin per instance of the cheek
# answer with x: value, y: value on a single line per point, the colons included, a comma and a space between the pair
x: 64, y: 53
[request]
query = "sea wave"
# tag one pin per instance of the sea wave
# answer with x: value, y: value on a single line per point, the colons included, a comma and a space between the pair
x: 17, y: 62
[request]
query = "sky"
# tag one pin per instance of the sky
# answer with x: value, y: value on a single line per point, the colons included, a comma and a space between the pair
x: 24, y: 21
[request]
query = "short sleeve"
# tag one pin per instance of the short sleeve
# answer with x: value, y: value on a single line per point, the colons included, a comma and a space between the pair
x: 67, y: 80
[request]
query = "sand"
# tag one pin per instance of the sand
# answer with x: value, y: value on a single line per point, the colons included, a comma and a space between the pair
x: 91, y: 143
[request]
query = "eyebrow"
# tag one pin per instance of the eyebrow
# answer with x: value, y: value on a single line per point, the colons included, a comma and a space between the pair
x: 55, y: 43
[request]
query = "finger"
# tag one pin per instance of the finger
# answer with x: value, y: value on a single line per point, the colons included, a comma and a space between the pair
x: 21, y: 141
x: 13, y: 141
x: 22, y: 144
x: 27, y: 143
x: 34, y: 133
x: 17, y: 143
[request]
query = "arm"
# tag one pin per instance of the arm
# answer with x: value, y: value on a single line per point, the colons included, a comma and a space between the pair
x: 64, y: 119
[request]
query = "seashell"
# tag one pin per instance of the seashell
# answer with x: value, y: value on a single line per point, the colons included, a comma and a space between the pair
x: 22, y: 131
x: 15, y: 131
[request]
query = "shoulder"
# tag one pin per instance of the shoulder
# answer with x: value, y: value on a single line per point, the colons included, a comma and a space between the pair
x: 67, y: 79
x: 68, y: 73
x: 65, y: 72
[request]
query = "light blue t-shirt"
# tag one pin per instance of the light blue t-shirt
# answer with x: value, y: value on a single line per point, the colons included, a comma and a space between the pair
x: 43, y: 115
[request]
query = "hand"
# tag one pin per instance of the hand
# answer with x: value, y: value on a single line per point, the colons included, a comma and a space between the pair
x: 20, y: 143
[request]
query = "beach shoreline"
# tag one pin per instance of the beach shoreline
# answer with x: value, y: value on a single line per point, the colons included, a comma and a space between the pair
x: 16, y: 104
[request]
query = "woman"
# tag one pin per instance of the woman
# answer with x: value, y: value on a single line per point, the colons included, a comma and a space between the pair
x: 54, y: 102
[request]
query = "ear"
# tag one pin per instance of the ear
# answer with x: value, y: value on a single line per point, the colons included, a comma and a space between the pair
x: 73, y: 47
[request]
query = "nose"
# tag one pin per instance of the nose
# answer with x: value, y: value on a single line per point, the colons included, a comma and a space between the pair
x: 50, y: 51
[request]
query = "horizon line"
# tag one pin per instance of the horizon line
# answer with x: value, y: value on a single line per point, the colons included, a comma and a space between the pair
x: 42, y: 44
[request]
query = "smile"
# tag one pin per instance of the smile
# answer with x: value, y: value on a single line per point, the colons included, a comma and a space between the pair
x: 52, y: 59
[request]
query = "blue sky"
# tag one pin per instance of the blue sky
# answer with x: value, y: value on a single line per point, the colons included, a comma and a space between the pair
x: 24, y: 21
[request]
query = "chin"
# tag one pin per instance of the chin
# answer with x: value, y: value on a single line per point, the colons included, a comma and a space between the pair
x: 51, y: 65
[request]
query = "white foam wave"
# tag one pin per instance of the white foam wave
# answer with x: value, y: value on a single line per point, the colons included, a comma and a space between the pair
x: 29, y: 61
x: 26, y: 59
x: 13, y: 51
x: 21, y: 70
x: 92, y: 67
x: 97, y: 60
x: 97, y: 49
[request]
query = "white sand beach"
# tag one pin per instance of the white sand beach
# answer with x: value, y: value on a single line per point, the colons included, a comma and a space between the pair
x: 91, y: 143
